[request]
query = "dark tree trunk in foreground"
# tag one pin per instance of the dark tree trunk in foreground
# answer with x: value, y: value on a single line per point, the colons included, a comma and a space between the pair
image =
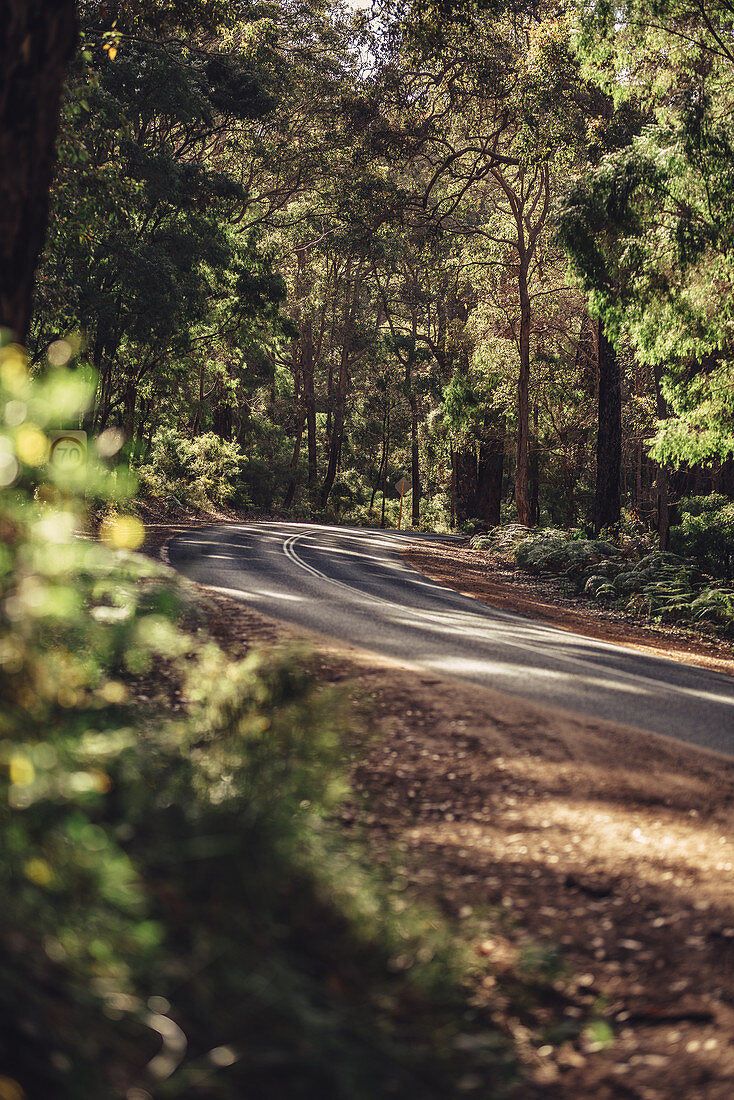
x: 607, y: 500
x: 36, y: 44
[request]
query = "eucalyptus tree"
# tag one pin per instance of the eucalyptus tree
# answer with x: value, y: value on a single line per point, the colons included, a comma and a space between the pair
x: 144, y: 254
x: 650, y: 228
x: 498, y: 123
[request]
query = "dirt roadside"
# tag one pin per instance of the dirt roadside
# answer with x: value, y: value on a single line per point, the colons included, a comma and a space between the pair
x: 540, y: 832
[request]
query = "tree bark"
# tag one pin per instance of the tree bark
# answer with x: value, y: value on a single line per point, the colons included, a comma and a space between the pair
x: 415, y: 468
x: 382, y: 472
x: 222, y: 414
x: 291, y: 490
x: 309, y: 399
x: 662, y: 481
x: 607, y: 498
x: 130, y: 401
x: 38, y: 41
x: 336, y: 435
x: 522, y: 467
x: 490, y: 471
x: 465, y: 484
x: 300, y: 421
x: 534, y: 472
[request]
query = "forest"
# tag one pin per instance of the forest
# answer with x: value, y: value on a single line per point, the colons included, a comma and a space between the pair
x: 272, y: 258
x: 309, y: 249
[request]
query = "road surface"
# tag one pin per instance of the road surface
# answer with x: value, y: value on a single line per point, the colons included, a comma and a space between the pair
x: 350, y: 584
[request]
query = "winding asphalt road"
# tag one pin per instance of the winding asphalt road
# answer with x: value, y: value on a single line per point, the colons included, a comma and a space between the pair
x: 350, y: 584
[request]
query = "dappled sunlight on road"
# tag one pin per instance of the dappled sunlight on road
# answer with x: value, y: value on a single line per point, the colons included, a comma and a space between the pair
x: 351, y: 585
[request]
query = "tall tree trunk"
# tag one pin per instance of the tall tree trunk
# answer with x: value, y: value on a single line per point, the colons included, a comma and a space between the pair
x: 490, y: 471
x: 465, y: 484
x: 415, y: 468
x: 291, y: 490
x: 36, y: 44
x: 382, y: 472
x: 384, y: 468
x: 336, y: 437
x: 198, y: 415
x: 534, y: 472
x: 662, y: 482
x: 129, y: 403
x: 607, y: 498
x: 143, y: 415
x: 522, y: 467
x: 300, y: 420
x: 222, y: 414
x: 639, y: 467
x: 309, y: 399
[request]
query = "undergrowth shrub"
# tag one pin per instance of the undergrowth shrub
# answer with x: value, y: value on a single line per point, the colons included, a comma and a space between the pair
x: 554, y: 552
x: 201, y: 472
x: 501, y: 541
x: 663, y: 585
x: 706, y: 534
x: 180, y: 916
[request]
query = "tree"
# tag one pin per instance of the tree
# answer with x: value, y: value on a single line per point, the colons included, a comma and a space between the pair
x: 497, y: 123
x: 38, y: 41
x: 607, y: 502
x: 649, y: 228
x: 145, y: 253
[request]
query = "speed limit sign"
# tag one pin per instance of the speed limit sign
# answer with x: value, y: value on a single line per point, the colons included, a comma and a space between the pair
x: 68, y: 449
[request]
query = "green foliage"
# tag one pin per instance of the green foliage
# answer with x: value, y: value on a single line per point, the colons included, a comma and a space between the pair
x: 649, y: 229
x: 198, y: 472
x: 706, y: 534
x: 145, y: 252
x: 662, y: 585
x: 554, y: 552
x: 502, y: 541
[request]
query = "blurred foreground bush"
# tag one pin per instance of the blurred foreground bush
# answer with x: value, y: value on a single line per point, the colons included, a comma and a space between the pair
x: 180, y: 918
